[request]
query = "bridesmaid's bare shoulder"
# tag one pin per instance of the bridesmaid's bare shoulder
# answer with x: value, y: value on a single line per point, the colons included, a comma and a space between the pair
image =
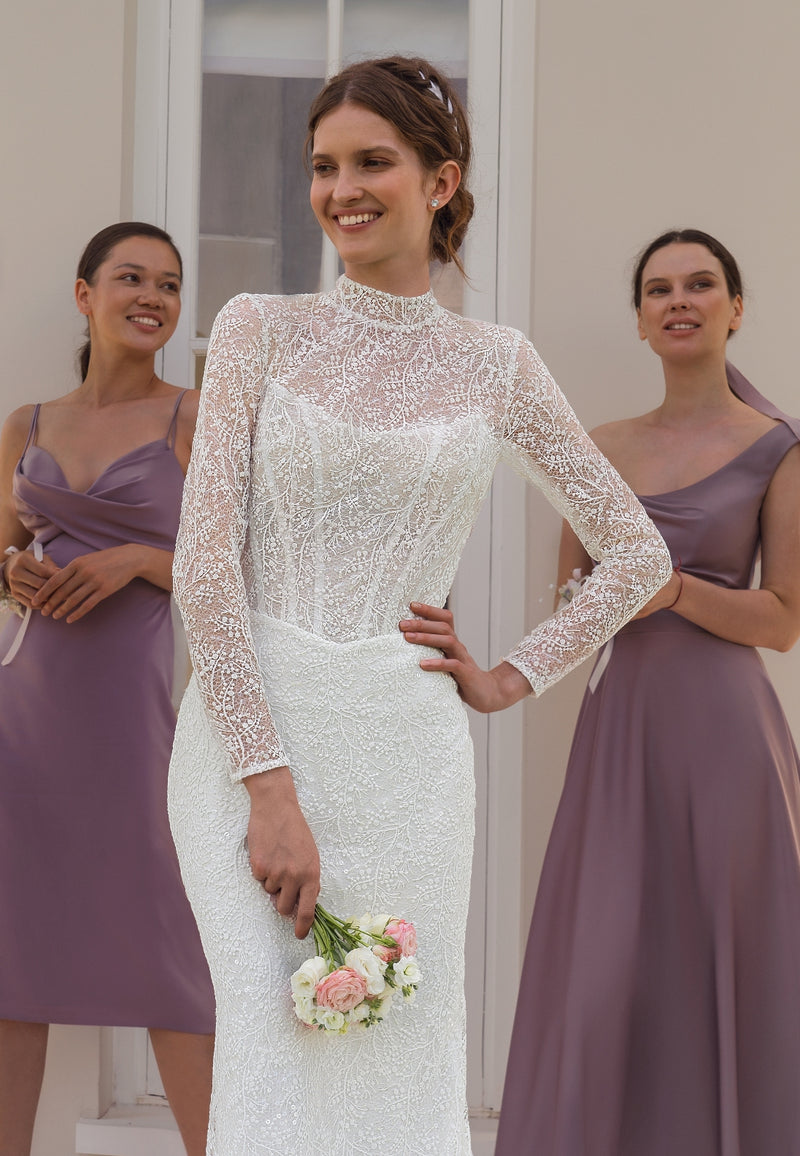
x: 615, y: 437
x: 187, y: 420
x: 15, y: 432
x: 187, y: 414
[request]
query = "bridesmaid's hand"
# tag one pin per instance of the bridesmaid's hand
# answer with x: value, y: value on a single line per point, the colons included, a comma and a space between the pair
x: 87, y: 580
x: 25, y: 577
x: 484, y: 690
x: 283, y: 855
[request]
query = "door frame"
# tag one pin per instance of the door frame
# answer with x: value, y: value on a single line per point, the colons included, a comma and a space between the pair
x: 489, y: 593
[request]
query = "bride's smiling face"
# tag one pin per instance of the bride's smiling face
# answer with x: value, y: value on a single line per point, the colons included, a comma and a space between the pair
x: 371, y: 195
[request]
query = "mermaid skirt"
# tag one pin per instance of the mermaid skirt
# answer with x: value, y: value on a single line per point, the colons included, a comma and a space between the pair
x: 382, y: 762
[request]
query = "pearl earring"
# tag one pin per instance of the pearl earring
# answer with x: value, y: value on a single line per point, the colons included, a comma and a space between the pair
x: 434, y: 202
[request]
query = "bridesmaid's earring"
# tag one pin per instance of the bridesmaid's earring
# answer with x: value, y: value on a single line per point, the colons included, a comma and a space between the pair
x: 434, y: 202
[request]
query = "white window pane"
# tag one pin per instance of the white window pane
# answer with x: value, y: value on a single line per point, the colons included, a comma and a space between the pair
x: 435, y: 29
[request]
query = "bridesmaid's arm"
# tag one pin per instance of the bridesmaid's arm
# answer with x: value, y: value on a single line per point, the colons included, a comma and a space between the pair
x: 187, y: 422
x: 769, y: 616
x: 21, y: 574
x: 87, y: 580
x: 572, y: 556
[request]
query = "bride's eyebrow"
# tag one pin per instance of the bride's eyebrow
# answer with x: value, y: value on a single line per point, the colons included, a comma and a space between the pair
x: 378, y: 149
x: 360, y: 154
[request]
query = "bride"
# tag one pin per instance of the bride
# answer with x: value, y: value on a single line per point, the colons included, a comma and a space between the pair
x: 344, y: 445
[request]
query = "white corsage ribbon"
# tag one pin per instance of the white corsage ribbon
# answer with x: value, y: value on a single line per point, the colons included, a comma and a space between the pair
x: 600, y: 665
x: 38, y: 554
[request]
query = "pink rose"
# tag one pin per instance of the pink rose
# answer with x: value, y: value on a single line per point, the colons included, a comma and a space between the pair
x: 342, y: 990
x: 386, y: 953
x: 404, y: 935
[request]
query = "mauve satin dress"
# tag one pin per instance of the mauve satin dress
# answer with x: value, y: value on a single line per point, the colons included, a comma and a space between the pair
x: 659, y: 1011
x: 95, y: 927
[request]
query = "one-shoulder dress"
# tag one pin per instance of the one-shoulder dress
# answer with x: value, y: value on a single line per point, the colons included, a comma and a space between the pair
x: 659, y: 1010
x: 95, y: 927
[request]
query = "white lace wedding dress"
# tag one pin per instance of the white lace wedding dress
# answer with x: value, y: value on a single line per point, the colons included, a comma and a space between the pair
x: 344, y: 445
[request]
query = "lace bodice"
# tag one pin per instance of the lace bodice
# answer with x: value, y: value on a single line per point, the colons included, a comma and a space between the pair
x: 344, y: 445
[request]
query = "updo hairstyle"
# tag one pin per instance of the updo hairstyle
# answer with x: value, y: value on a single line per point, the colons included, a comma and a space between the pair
x: 423, y: 106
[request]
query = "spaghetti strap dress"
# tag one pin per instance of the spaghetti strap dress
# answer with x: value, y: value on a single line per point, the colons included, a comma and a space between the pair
x: 659, y: 1010
x: 95, y: 927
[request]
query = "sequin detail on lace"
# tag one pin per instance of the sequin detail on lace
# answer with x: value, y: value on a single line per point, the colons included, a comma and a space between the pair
x: 344, y: 445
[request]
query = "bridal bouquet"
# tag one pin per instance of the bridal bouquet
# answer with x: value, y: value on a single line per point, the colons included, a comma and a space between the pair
x: 359, y: 966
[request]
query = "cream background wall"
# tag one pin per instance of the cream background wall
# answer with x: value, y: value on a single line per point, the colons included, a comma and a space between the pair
x: 64, y: 130
x: 64, y: 143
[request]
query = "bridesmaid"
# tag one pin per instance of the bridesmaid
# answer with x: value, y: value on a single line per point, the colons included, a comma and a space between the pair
x: 94, y: 924
x: 659, y: 1010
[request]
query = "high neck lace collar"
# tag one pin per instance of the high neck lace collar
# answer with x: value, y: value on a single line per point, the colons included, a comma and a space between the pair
x: 375, y: 305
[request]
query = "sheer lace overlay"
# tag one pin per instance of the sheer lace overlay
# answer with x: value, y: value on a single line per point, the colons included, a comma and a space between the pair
x: 344, y: 446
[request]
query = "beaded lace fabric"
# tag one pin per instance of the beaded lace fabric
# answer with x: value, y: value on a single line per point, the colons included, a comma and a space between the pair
x: 345, y: 443
x: 344, y: 446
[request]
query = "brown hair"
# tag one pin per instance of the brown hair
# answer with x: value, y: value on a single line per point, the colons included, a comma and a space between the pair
x: 423, y: 105
x: 96, y: 252
x: 733, y: 277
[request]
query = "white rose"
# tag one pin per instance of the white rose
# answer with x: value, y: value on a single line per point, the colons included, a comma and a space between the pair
x: 332, y: 1021
x: 304, y: 1006
x: 407, y: 971
x: 305, y: 979
x: 369, y: 966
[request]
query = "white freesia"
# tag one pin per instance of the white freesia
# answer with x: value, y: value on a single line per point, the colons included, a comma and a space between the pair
x: 360, y: 1013
x: 305, y: 1008
x: 383, y: 1005
x: 373, y: 924
x: 369, y: 966
x: 407, y: 971
x: 332, y: 1021
x: 305, y: 979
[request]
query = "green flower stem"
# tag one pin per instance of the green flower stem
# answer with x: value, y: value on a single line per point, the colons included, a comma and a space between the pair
x: 334, y: 937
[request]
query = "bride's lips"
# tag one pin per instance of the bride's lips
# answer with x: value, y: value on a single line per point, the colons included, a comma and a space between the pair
x: 355, y: 220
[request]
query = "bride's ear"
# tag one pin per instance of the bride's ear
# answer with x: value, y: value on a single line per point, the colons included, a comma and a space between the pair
x: 446, y: 181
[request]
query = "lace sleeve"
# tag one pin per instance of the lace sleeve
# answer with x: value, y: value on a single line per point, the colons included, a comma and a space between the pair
x: 208, y: 581
x: 546, y: 443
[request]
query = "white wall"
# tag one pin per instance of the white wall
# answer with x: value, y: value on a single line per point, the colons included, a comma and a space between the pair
x: 63, y: 147
x: 648, y: 117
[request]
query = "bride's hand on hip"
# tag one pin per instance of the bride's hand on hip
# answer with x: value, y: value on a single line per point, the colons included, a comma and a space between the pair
x: 484, y: 690
x: 283, y: 855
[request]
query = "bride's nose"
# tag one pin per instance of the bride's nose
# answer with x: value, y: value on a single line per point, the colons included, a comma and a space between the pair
x: 348, y: 188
